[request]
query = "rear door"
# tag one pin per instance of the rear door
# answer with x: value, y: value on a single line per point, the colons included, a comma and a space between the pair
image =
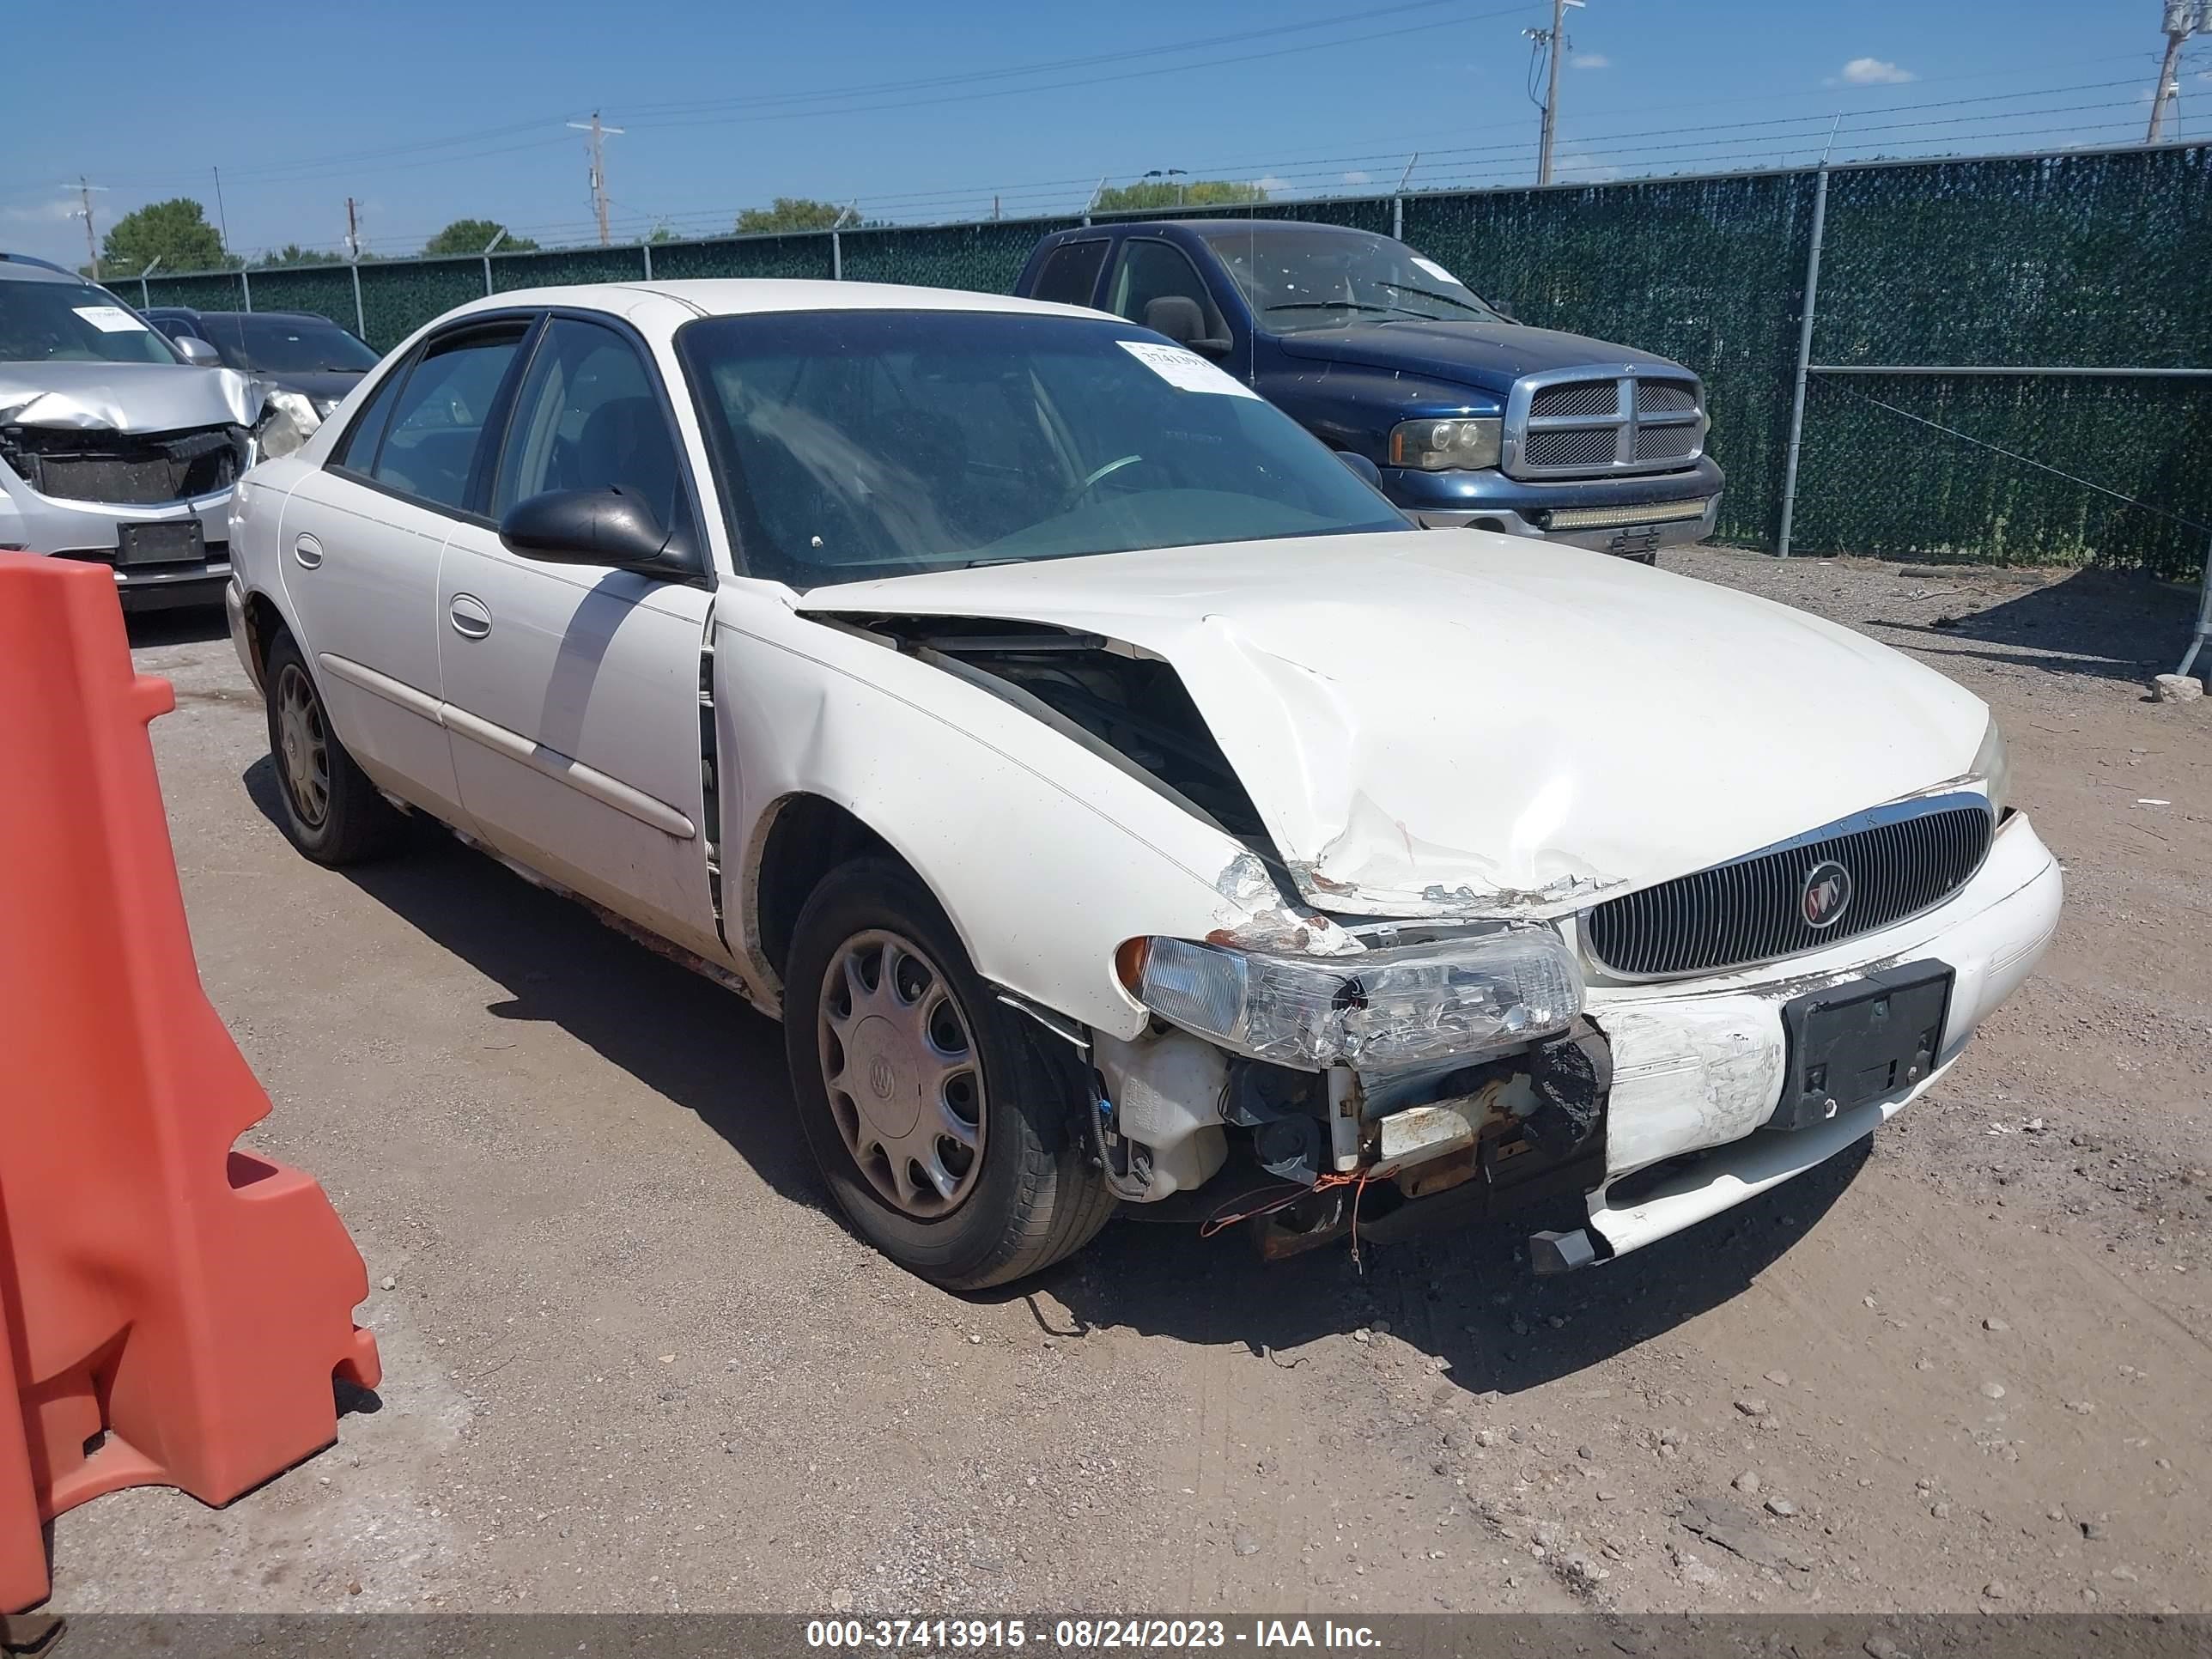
x: 358, y: 547
x: 572, y: 692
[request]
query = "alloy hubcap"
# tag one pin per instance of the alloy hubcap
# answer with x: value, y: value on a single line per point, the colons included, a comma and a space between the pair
x: 303, y: 748
x: 900, y: 1066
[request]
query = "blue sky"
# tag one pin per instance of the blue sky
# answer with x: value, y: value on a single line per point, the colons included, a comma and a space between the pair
x: 429, y: 112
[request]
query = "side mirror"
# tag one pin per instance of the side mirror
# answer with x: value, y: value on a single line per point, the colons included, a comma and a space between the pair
x: 589, y: 526
x: 1178, y: 317
x: 1360, y: 466
x: 197, y: 352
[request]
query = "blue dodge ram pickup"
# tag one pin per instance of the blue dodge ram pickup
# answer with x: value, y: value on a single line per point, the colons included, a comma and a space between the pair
x: 1468, y: 417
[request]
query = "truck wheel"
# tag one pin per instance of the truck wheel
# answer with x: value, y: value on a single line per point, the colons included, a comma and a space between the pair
x: 331, y: 811
x: 944, y: 1133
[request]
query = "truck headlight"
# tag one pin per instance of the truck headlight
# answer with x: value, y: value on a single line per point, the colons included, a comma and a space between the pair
x: 1992, y: 768
x: 1379, y: 1010
x: 1462, y: 443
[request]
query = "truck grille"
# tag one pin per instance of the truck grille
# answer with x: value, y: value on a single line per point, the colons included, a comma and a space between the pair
x: 1570, y: 423
x: 126, y: 469
x: 1753, y: 910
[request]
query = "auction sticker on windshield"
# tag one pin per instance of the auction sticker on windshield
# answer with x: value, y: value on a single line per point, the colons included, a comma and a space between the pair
x: 1436, y: 270
x: 110, y: 319
x: 1186, y: 369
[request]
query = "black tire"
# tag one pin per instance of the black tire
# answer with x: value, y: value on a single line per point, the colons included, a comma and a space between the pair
x: 1035, y: 1197
x: 354, y: 822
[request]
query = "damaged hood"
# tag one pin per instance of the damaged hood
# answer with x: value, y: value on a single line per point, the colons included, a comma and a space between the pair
x: 1457, y: 723
x: 93, y: 397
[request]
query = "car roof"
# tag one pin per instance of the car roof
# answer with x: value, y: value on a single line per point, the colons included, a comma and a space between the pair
x: 738, y: 296
x: 22, y: 268
x: 1200, y: 227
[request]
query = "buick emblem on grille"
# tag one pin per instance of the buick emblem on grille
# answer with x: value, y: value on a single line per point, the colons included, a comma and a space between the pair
x: 1825, y: 895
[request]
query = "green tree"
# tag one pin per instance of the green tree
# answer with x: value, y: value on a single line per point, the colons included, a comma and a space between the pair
x: 1151, y: 195
x: 790, y: 213
x: 175, y: 231
x: 293, y: 254
x: 473, y: 236
x: 661, y: 233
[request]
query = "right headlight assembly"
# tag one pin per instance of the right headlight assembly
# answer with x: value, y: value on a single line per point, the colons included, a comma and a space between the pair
x: 1459, y: 443
x: 1992, y: 768
x: 1379, y: 1010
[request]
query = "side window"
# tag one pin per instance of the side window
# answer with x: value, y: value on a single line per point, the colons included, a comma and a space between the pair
x: 356, y: 451
x: 440, y: 415
x: 588, y: 419
x: 1152, y: 271
x: 1071, y: 272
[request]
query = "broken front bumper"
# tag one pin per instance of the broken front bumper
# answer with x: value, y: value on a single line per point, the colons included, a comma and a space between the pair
x: 1698, y: 1066
x: 92, y: 531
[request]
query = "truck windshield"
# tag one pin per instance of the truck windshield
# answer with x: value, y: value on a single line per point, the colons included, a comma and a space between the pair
x: 1328, y: 279
x: 73, y: 322
x: 851, y: 445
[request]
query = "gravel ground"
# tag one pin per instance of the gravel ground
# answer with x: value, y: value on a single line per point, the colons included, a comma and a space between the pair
x: 633, y: 1364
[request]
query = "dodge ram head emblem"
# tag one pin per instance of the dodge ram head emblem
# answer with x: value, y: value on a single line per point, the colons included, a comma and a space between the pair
x: 1825, y: 895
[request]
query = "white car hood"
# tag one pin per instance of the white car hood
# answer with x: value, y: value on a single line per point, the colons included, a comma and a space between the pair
x: 1457, y: 723
x: 98, y: 396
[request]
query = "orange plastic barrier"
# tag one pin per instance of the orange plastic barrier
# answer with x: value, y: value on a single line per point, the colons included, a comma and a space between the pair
x: 174, y: 1310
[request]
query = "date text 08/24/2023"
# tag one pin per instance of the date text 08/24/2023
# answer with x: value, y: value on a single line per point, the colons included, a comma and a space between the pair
x: 1085, y: 1635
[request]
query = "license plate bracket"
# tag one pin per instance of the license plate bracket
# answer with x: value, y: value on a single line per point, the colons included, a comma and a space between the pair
x: 1861, y: 1040
x: 177, y: 541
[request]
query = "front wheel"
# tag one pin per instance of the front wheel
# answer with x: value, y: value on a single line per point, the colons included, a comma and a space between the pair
x: 944, y: 1133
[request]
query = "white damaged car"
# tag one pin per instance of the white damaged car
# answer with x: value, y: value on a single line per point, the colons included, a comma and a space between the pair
x: 1113, y: 794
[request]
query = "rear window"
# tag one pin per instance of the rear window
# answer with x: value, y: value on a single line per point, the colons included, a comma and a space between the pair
x: 1071, y: 272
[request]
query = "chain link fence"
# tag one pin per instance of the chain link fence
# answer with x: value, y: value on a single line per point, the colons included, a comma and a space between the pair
x: 2044, y: 266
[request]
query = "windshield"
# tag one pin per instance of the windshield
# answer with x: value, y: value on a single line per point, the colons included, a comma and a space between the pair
x: 286, y: 345
x: 73, y: 322
x: 1321, y: 278
x: 858, y: 444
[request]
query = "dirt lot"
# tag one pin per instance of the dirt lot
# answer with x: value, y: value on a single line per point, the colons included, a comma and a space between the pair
x: 633, y: 1363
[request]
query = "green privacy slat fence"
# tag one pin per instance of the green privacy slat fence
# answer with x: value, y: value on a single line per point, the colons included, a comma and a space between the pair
x: 2083, y: 259
x: 745, y: 256
x: 573, y: 264
x: 398, y: 296
x: 210, y: 291
x: 988, y: 257
x: 325, y: 289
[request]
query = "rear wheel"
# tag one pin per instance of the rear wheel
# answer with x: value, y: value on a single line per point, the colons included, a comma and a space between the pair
x: 330, y: 809
x: 943, y: 1131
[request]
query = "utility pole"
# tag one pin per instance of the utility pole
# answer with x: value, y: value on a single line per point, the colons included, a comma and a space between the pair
x: 599, y: 134
x: 353, y: 232
x: 1552, y: 42
x: 84, y: 212
x: 2183, y: 19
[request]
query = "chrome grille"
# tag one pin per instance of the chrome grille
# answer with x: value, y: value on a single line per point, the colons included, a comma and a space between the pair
x: 1576, y: 398
x: 1571, y: 446
x: 1566, y: 423
x: 1660, y: 443
x: 1750, y: 910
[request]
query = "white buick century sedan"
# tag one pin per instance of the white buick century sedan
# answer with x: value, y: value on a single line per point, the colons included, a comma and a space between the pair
x: 1109, y: 790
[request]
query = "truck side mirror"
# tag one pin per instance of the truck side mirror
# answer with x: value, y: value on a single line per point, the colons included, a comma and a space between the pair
x: 1179, y: 318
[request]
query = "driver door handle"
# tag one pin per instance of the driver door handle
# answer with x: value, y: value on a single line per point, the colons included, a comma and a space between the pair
x: 471, y: 616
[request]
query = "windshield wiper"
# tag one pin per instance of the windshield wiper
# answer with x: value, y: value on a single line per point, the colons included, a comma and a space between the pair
x: 1431, y: 294
x: 1327, y: 305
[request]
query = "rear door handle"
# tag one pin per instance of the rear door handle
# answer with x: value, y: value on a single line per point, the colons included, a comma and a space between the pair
x: 307, y: 550
x: 472, y: 617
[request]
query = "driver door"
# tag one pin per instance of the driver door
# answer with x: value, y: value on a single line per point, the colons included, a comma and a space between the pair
x: 572, y: 691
